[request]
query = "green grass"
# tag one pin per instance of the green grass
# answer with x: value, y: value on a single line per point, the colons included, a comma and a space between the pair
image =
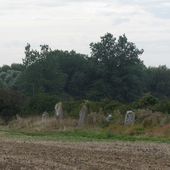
x: 78, y: 136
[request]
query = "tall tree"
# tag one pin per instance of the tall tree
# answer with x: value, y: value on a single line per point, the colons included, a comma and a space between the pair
x: 120, y: 66
x: 159, y: 81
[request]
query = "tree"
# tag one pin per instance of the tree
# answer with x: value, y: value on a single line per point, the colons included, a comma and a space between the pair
x: 5, y: 68
x: 32, y: 56
x: 17, y: 67
x: 147, y: 101
x: 9, y: 75
x: 56, y: 72
x: 158, y: 81
x: 119, y: 66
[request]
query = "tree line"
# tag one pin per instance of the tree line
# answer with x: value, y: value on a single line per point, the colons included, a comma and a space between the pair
x: 113, y: 71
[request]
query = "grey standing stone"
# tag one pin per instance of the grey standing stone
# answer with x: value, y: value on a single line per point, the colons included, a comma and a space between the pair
x: 45, y: 116
x: 83, y: 115
x: 59, y: 110
x: 129, y: 118
x: 18, y: 117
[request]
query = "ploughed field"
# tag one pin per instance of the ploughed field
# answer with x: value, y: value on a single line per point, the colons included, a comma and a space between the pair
x: 35, y: 155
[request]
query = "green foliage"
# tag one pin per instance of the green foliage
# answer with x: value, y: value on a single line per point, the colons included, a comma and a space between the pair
x: 163, y: 106
x: 81, y: 135
x: 147, y: 101
x: 33, y: 56
x: 17, y: 67
x: 9, y: 75
x: 95, y: 106
x: 9, y: 78
x: 111, y: 106
x: 40, y: 103
x: 10, y: 104
x: 158, y: 81
x: 72, y: 108
x: 5, y: 68
x: 56, y: 72
x: 111, y: 75
x: 119, y: 67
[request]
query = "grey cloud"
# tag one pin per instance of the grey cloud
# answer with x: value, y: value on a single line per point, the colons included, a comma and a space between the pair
x: 159, y: 8
x: 12, y: 44
x: 161, y: 11
x: 18, y: 4
x: 74, y: 24
x: 121, y: 21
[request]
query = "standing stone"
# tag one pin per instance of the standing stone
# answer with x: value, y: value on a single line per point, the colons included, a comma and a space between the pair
x: 45, y: 116
x: 59, y: 110
x: 129, y: 118
x: 18, y: 117
x: 83, y: 115
x: 109, y: 118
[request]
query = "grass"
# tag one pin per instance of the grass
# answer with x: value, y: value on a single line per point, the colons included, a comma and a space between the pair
x: 33, y: 128
x: 78, y: 136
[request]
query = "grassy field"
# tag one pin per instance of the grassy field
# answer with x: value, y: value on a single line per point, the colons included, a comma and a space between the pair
x: 77, y: 135
x: 33, y: 128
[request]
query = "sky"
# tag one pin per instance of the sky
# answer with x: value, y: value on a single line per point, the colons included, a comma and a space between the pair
x: 74, y: 24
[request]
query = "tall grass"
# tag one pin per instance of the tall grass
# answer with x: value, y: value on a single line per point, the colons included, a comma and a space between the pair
x: 37, y: 124
x: 148, y: 125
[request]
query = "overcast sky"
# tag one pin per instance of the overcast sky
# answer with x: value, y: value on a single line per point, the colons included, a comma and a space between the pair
x: 74, y: 24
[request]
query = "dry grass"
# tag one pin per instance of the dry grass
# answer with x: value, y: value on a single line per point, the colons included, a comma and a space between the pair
x: 160, y: 131
x: 147, y: 124
x: 37, y: 124
x: 151, y: 119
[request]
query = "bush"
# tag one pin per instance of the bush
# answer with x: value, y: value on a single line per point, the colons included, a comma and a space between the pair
x: 10, y: 104
x: 148, y: 118
x: 40, y: 103
x: 147, y: 101
x: 163, y: 106
x: 72, y: 108
x: 111, y: 106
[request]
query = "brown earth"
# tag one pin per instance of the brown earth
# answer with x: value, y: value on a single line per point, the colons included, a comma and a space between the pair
x: 17, y: 155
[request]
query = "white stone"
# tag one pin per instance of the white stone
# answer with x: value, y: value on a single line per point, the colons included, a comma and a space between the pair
x: 129, y: 118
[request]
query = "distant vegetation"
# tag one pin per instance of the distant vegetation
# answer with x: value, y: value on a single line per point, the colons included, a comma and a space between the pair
x: 113, y: 77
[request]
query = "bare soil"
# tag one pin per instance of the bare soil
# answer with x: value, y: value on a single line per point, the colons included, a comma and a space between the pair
x: 20, y: 155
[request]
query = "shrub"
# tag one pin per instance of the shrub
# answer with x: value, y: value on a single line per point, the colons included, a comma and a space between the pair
x: 147, y: 101
x: 40, y: 103
x: 163, y: 106
x: 111, y: 106
x: 72, y: 108
x: 148, y: 118
x: 10, y: 104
